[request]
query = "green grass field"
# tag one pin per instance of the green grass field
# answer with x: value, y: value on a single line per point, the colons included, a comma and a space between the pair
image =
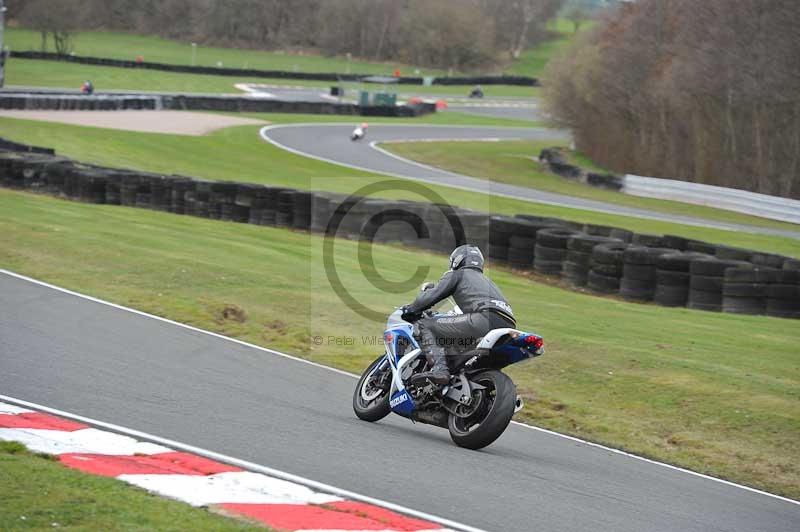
x: 41, y: 494
x: 127, y: 46
x: 510, y: 162
x: 58, y: 74
x: 532, y: 62
x: 238, y: 154
x: 717, y: 393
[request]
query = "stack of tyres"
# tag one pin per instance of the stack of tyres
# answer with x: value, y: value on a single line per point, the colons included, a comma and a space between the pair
x: 639, y: 272
x: 522, y: 239
x: 92, y: 185
x: 180, y: 189
x: 284, y: 213
x: 731, y: 253
x: 705, y: 285
x: 550, y: 251
x: 672, y: 278
x: 744, y: 290
x: 128, y: 188
x: 621, y: 234
x: 701, y: 247
x: 675, y: 242
x: 34, y: 170
x: 113, y: 181
x: 272, y: 205
x: 597, y: 230
x: 579, y: 257
x: 650, y: 241
x: 392, y: 224
x: 769, y: 260
x: 520, y: 251
x: 222, y: 200
x: 435, y: 218
x: 243, y: 201
x: 258, y: 204
x: 160, y: 192
x: 197, y: 200
x: 606, y: 267
x: 56, y: 175
x: 303, y: 202
x: 501, y: 228
x: 476, y: 229
x: 783, y: 295
x: 322, y: 208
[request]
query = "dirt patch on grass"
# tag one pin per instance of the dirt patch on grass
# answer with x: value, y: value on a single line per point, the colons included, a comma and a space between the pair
x: 175, y: 122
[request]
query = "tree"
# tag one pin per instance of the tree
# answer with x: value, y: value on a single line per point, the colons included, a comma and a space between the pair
x: 577, y: 15
x: 58, y: 19
x: 702, y: 91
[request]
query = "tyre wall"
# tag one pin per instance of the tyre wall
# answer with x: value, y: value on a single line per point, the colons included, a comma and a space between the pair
x: 666, y: 270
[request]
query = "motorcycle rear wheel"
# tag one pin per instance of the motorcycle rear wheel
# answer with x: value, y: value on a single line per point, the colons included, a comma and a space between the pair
x: 376, y: 408
x: 493, y: 415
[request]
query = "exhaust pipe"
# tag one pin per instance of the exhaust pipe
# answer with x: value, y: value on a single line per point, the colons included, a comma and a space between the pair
x: 518, y: 404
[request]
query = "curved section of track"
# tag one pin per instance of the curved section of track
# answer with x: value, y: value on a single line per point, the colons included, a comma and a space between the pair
x: 331, y: 143
x: 122, y: 367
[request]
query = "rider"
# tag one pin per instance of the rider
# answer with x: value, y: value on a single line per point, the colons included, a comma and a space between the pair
x: 484, y: 306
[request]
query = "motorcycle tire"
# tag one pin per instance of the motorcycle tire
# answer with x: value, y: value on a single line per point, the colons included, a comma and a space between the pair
x: 500, y: 411
x: 373, y: 410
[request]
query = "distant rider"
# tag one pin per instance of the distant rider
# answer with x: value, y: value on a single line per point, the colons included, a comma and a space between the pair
x: 484, y: 307
x: 359, y: 132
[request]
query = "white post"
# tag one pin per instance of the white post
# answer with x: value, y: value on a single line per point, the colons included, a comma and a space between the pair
x: 194, y: 52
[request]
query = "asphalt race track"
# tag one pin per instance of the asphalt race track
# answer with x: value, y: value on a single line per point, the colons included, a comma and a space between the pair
x: 106, y: 363
x: 331, y: 142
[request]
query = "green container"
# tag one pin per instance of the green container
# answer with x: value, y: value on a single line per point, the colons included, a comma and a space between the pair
x: 385, y: 98
x: 363, y: 99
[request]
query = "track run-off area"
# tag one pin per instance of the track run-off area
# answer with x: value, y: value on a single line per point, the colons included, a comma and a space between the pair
x: 331, y: 143
x: 120, y: 366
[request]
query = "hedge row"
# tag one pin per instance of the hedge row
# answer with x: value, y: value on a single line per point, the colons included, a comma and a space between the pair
x: 279, y: 74
x: 667, y: 270
x: 107, y: 102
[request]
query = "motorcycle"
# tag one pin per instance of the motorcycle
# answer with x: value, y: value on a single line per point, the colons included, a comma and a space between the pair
x: 476, y: 405
x: 359, y: 132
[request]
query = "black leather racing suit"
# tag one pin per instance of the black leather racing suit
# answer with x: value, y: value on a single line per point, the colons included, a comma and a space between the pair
x: 484, y: 307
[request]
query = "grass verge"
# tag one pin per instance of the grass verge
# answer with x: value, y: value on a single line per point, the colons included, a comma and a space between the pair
x: 717, y: 393
x: 40, y: 493
x: 58, y: 74
x: 510, y: 162
x: 238, y: 154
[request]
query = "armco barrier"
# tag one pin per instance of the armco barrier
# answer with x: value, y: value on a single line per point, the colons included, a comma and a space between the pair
x: 763, y: 205
x: 277, y: 74
x: 772, y: 207
x: 648, y: 268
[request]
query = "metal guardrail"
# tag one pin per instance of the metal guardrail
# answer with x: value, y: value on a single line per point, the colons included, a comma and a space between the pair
x: 763, y: 205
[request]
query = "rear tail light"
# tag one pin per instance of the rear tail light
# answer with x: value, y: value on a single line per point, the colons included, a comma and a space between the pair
x: 534, y: 341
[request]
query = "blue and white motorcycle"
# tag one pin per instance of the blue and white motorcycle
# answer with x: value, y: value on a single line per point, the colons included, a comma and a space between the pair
x: 478, y: 403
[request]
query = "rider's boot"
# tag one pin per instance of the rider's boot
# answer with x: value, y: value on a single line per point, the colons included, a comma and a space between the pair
x: 439, y: 373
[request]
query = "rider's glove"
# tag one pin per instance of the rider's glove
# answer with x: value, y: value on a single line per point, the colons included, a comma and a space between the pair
x: 409, y: 316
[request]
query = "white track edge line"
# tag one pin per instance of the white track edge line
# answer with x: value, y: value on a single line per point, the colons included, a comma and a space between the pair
x: 347, y: 373
x: 244, y: 464
x: 700, y: 223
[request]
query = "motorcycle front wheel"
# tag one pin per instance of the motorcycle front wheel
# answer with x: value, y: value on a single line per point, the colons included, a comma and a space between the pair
x: 492, y: 413
x: 371, y: 402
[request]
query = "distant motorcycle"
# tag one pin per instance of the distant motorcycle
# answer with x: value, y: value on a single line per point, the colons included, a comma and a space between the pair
x: 477, y: 92
x: 476, y: 405
x: 359, y: 132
